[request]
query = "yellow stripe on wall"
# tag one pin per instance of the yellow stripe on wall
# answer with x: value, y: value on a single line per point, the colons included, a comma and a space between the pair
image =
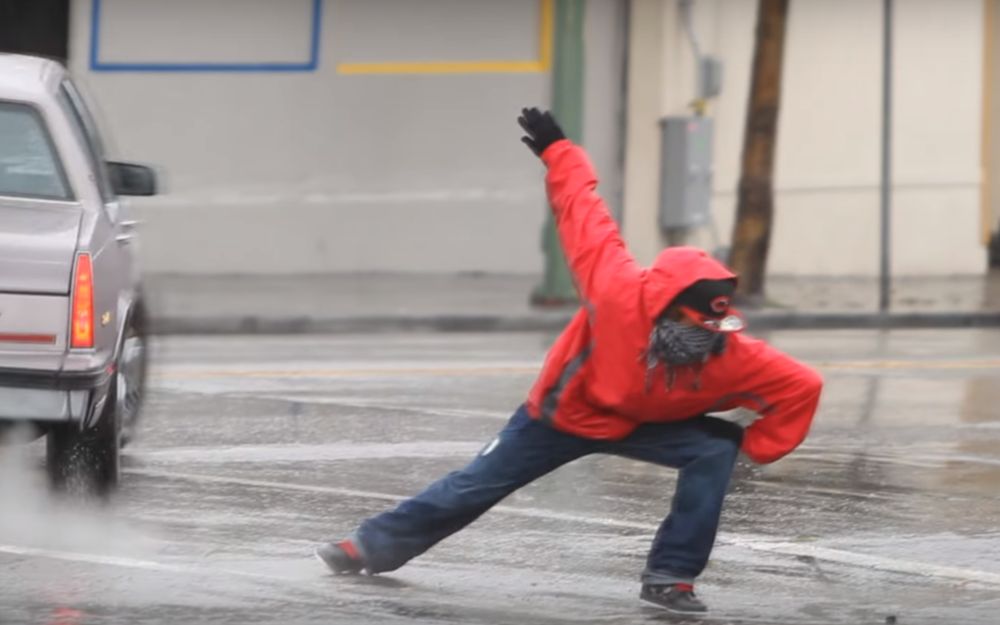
x: 442, y: 67
x: 547, y: 20
x: 541, y: 64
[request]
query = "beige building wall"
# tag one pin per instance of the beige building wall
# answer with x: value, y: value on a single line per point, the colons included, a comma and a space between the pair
x: 828, y: 159
x: 332, y: 171
x: 399, y: 151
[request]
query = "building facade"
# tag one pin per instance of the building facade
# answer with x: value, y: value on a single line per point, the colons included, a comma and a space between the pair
x: 311, y: 136
x: 828, y: 153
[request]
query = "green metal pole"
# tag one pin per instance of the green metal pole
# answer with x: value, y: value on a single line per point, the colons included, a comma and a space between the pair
x: 557, y: 287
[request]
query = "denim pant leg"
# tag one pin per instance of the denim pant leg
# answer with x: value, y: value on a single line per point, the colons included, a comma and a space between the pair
x: 524, y: 451
x: 705, y: 450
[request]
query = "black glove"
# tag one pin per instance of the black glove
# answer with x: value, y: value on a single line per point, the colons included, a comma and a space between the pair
x: 542, y: 129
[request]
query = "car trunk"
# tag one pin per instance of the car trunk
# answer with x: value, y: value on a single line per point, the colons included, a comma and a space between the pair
x: 37, y: 250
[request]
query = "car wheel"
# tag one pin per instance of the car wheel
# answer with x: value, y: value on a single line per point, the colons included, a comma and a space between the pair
x: 86, y: 462
x: 131, y: 377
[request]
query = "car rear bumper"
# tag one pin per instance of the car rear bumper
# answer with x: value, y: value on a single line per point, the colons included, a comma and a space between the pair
x: 54, y: 380
x: 44, y: 396
x: 42, y: 406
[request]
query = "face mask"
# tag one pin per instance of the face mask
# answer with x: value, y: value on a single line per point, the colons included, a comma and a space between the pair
x: 675, y: 344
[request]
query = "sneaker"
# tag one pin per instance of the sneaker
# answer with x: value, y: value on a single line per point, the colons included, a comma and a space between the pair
x: 679, y: 598
x: 342, y: 558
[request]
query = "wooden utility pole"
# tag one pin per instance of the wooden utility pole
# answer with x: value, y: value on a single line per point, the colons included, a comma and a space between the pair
x: 755, y: 201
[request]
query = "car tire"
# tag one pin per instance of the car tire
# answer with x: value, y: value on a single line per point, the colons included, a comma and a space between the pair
x: 133, y: 364
x: 86, y: 462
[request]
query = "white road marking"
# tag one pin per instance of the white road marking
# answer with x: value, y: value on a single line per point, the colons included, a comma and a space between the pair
x: 906, y: 458
x: 818, y: 490
x: 312, y: 453
x: 850, y: 558
x: 131, y: 563
x: 213, y: 479
x: 380, y: 370
x: 356, y: 402
x: 879, y: 563
x: 350, y: 492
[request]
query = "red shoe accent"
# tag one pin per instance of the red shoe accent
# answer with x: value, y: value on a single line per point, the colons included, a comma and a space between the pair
x: 684, y: 587
x: 349, y: 549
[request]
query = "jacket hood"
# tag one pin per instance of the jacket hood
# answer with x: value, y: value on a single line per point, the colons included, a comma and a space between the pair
x: 675, y: 269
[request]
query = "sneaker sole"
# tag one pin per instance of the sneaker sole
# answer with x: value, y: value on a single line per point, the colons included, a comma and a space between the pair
x: 329, y: 566
x: 674, y: 610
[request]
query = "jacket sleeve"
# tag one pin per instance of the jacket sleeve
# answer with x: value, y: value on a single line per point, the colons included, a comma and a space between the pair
x: 786, y: 394
x: 591, y: 241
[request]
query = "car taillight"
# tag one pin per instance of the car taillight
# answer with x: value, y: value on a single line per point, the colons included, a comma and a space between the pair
x: 82, y: 315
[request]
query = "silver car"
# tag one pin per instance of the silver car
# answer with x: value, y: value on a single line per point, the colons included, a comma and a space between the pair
x: 72, y: 358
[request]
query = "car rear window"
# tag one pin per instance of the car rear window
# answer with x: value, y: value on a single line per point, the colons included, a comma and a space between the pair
x: 29, y: 166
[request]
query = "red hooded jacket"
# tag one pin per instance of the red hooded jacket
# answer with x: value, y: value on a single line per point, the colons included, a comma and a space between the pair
x: 594, y: 380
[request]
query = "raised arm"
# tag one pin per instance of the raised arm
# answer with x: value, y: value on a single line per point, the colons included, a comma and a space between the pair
x: 590, y: 238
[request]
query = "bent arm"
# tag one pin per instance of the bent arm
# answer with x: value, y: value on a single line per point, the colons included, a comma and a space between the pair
x: 786, y: 394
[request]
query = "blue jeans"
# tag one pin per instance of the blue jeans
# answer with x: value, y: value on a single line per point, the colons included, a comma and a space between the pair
x: 703, y: 448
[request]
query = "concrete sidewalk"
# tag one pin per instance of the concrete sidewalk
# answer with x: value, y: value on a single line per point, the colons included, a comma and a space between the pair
x: 395, y: 302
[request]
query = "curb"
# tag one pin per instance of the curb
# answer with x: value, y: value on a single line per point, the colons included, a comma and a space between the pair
x: 549, y: 322
x: 357, y: 325
x: 873, y: 320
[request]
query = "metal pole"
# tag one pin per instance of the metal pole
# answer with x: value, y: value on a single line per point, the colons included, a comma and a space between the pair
x: 567, y: 105
x: 885, y: 277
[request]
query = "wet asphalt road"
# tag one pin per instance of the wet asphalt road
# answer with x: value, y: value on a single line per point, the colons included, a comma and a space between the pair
x: 254, y: 449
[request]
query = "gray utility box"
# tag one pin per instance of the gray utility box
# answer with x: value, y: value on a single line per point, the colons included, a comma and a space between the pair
x: 686, y: 172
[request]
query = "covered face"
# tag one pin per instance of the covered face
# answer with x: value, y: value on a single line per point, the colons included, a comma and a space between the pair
x: 696, y: 316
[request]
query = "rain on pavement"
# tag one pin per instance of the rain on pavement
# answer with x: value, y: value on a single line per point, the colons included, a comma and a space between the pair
x: 254, y: 449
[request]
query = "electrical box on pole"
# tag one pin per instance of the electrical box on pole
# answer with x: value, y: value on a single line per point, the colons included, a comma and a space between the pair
x: 686, y: 172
